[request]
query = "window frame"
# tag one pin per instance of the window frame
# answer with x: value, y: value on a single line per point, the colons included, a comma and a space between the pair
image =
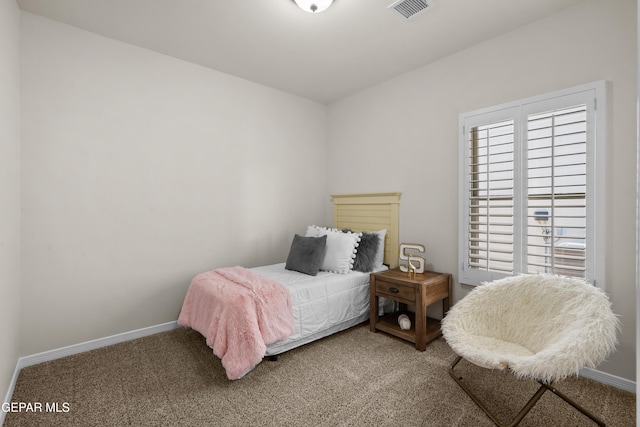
x: 594, y: 96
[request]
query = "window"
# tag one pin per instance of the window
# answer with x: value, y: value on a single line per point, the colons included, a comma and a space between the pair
x: 532, y: 187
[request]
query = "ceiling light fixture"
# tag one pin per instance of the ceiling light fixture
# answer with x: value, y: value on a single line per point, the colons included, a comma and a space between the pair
x: 313, y: 6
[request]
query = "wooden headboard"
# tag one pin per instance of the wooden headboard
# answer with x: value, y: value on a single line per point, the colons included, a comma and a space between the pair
x: 371, y: 212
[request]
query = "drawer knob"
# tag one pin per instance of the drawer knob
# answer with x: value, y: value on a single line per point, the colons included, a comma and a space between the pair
x: 394, y: 290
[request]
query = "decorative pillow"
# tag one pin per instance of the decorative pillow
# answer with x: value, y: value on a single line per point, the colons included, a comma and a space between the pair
x: 341, y: 248
x: 306, y: 254
x: 380, y: 253
x: 367, y: 251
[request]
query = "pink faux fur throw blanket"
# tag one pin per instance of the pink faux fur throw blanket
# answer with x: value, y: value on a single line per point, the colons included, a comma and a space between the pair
x: 239, y: 312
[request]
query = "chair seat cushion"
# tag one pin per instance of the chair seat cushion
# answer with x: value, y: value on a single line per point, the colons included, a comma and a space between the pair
x: 492, y: 353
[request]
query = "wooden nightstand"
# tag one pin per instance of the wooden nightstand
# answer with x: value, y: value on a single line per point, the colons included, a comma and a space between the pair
x: 423, y: 290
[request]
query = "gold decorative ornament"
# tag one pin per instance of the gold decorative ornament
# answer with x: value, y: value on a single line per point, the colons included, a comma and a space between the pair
x: 410, y: 268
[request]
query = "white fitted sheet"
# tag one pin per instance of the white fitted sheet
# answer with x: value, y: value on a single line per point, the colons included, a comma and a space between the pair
x: 322, y: 304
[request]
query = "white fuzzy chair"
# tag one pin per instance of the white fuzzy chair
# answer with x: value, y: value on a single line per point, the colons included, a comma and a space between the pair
x: 540, y: 327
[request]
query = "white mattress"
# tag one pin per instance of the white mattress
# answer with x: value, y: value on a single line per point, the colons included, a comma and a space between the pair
x: 322, y: 304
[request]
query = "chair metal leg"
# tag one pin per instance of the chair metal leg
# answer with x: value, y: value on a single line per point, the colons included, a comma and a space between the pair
x: 538, y: 394
x: 574, y: 404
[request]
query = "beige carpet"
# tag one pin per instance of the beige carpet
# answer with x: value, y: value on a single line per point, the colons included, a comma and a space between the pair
x: 354, y: 378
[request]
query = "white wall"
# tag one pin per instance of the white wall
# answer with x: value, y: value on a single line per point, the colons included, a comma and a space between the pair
x: 9, y: 191
x: 139, y: 171
x: 638, y: 213
x: 404, y: 134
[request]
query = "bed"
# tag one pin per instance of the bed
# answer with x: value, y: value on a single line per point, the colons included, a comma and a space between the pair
x: 322, y: 301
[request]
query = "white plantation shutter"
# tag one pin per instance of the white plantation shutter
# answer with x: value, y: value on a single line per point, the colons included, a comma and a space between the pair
x: 490, y: 195
x: 528, y: 187
x: 556, y: 191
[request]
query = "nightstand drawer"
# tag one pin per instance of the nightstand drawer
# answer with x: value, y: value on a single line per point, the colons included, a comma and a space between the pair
x: 396, y: 290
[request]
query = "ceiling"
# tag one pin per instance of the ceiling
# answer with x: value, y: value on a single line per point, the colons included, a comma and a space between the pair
x: 352, y: 45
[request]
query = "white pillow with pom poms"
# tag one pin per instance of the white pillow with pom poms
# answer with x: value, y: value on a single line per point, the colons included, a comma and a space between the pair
x: 341, y: 248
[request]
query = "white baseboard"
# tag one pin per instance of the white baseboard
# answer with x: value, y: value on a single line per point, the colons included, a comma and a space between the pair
x: 609, y: 379
x: 47, y: 356
x: 58, y: 353
x: 12, y: 387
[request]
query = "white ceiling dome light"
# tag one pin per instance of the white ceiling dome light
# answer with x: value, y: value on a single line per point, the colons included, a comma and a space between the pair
x: 313, y: 6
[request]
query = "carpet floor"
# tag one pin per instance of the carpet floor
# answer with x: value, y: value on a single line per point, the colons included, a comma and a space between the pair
x: 353, y: 378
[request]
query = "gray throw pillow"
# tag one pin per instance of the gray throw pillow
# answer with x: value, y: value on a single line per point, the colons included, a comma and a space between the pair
x: 366, y: 256
x: 306, y: 254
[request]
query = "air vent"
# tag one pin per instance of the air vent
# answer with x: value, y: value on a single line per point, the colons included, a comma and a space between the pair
x: 409, y: 8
